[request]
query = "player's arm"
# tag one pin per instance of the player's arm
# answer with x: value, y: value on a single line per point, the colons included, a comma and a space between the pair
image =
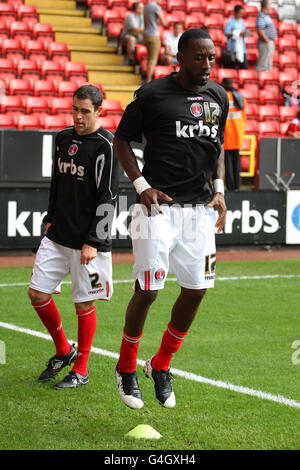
x: 107, y: 175
x: 218, y: 199
x: 148, y: 195
x: 53, y: 192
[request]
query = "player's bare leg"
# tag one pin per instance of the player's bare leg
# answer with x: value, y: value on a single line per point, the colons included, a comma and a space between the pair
x: 158, y: 367
x: 87, y: 324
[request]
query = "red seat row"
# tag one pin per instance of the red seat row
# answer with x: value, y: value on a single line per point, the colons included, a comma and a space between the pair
x: 50, y: 122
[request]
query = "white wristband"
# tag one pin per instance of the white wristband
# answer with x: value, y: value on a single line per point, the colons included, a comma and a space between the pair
x: 218, y: 186
x: 141, y: 185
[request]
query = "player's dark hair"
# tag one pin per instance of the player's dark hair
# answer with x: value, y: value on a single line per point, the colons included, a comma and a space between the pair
x: 189, y: 34
x: 264, y: 3
x: 135, y: 5
x: 89, y: 92
x: 237, y: 8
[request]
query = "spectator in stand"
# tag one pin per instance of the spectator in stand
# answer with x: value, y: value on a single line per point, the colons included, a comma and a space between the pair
x: 133, y: 29
x: 294, y: 127
x: 266, y: 36
x: 234, y: 134
x: 171, y: 44
x: 153, y: 17
x: 235, y: 31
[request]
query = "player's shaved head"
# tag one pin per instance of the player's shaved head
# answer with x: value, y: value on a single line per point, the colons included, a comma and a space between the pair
x: 188, y: 35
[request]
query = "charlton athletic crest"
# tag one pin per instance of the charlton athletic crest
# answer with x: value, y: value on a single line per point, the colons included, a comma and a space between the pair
x: 196, y: 109
x: 73, y: 149
x: 160, y: 274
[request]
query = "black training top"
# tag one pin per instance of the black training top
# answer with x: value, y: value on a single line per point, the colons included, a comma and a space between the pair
x: 184, y: 132
x: 85, y: 178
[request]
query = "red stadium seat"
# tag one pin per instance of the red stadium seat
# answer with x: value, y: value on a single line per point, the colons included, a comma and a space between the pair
x: 283, y: 128
x: 287, y: 77
x: 37, y: 104
x: 112, y: 16
x: 250, y: 23
x: 20, y: 86
x: 117, y: 3
x: 75, y: 69
x: 252, y: 111
x: 216, y: 20
x: 286, y: 29
x: 29, y: 69
x: 12, y: 48
x: 217, y: 6
x: 298, y: 30
x: 27, y: 11
x: 140, y: 52
x: 8, y: 11
x: 11, y: 103
x: 43, y: 31
x: 19, y: 30
x: 162, y: 70
x: 97, y: 12
x: 108, y: 122
x: 247, y: 76
x: 217, y: 36
x: 114, y: 29
x: 287, y: 43
x: 194, y: 20
x: 269, y: 96
x: 61, y: 105
x: 52, y: 69
x: 269, y: 129
x: 176, y: 5
x: 110, y: 107
x: 35, y: 50
x: 251, y: 95
x: 195, y: 5
x: 174, y: 17
x: 66, y: 88
x: 228, y: 73
x: 7, y: 121
x: 251, y: 127
x: 57, y: 122
x: 44, y: 88
x: 250, y: 10
x: 4, y: 29
x: 7, y: 68
x: 269, y: 112
x: 31, y: 121
x: 59, y: 49
x: 252, y: 55
x: 288, y: 60
x: 268, y: 77
x: 287, y: 113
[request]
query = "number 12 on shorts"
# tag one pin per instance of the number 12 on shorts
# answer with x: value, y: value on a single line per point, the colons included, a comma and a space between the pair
x: 210, y: 263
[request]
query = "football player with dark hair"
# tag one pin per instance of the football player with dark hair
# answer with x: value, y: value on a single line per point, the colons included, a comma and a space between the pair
x: 77, y: 240
x: 182, y: 117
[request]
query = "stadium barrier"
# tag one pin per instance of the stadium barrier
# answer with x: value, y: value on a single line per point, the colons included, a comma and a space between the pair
x: 262, y: 217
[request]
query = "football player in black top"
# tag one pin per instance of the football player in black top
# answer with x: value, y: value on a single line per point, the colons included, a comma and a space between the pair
x: 77, y: 241
x: 182, y: 117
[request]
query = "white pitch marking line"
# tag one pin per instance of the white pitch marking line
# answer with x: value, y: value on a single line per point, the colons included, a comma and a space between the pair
x: 228, y: 278
x: 187, y: 375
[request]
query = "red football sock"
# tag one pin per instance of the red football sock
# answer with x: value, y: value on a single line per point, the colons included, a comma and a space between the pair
x: 87, y: 324
x: 128, y: 353
x: 170, y: 344
x: 48, y: 313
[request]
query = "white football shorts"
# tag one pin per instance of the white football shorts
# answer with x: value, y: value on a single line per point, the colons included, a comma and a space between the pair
x: 179, y: 241
x: 54, y: 262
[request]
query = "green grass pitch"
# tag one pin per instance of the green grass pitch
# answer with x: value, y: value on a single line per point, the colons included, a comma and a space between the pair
x: 242, y: 335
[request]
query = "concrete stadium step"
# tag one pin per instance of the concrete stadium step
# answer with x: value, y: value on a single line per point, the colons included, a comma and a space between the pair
x: 123, y: 93
x: 53, y: 4
x: 62, y: 12
x: 73, y: 21
x: 90, y: 58
x: 99, y: 49
x: 113, y: 78
x: 79, y: 36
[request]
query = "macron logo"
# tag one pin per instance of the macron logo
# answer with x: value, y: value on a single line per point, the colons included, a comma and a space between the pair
x: 192, y: 130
